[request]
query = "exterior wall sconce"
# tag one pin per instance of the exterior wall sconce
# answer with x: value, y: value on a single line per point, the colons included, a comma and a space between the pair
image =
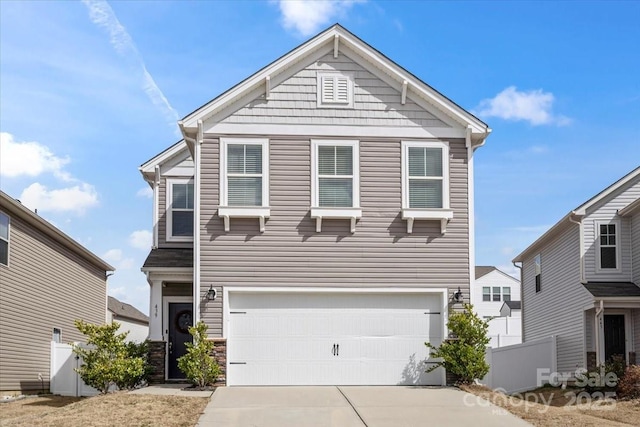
x: 211, y: 293
x: 457, y: 296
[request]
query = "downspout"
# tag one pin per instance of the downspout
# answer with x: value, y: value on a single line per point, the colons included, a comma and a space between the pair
x: 196, y: 224
x: 156, y: 208
x: 471, y: 213
x: 579, y: 222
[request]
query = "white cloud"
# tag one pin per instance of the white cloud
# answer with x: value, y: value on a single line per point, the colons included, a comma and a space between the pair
x: 118, y: 292
x: 308, y: 16
x: 145, y: 191
x: 534, y: 106
x: 115, y: 257
x: 29, y: 158
x: 141, y: 239
x: 510, y: 269
x: 76, y: 199
x: 101, y: 14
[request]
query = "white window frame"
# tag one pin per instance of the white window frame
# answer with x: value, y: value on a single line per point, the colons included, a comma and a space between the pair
x: 335, y: 75
x: 483, y: 293
x: 227, y: 212
x: 317, y: 212
x: 599, y: 268
x: 444, y: 214
x: 8, y: 239
x: 503, y: 293
x: 169, y: 198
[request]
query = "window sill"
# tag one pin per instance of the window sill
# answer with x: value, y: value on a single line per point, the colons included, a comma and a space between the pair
x: 336, y: 213
x: 179, y: 239
x: 226, y: 213
x: 442, y: 215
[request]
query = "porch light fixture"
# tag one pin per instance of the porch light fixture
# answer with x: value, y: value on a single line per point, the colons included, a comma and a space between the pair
x: 211, y: 293
x: 457, y: 296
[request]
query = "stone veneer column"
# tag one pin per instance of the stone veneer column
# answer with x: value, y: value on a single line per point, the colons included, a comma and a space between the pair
x: 591, y: 360
x: 219, y: 354
x: 157, y: 354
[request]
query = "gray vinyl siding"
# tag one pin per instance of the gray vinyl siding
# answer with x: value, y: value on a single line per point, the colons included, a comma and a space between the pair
x: 607, y: 210
x: 635, y: 248
x: 290, y: 253
x: 45, y: 286
x: 558, y: 309
x: 294, y: 101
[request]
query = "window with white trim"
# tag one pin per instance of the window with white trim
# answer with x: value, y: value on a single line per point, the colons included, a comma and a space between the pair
x: 425, y: 182
x: 608, y: 246
x: 486, y: 293
x: 335, y: 89
x: 180, y: 199
x: 244, y: 179
x: 506, y: 294
x: 493, y: 293
x: 4, y: 239
x: 335, y: 181
x: 538, y: 273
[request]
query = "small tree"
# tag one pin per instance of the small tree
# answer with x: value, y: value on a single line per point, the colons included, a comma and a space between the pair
x: 463, y: 354
x: 198, y: 365
x: 107, y: 360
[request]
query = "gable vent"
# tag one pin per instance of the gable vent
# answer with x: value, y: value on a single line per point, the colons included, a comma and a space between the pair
x: 335, y: 90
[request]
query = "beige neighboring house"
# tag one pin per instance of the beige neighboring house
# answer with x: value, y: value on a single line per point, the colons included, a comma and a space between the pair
x: 130, y: 319
x: 580, y: 280
x: 47, y: 280
x: 318, y: 217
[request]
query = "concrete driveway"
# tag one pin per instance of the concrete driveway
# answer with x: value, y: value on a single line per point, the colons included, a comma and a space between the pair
x: 350, y: 407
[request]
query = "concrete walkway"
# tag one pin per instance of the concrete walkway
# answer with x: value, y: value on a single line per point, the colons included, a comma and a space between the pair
x: 351, y: 407
x: 171, y: 390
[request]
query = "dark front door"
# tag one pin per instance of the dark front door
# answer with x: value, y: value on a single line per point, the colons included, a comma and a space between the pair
x: 180, y: 318
x: 614, y: 335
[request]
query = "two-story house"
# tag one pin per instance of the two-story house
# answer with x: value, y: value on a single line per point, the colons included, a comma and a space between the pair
x: 47, y: 281
x: 496, y: 298
x: 580, y: 280
x: 318, y: 217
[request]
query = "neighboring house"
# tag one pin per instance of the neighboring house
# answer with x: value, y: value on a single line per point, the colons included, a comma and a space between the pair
x: 332, y: 197
x: 580, y: 280
x: 130, y: 319
x: 496, y: 296
x: 47, y: 280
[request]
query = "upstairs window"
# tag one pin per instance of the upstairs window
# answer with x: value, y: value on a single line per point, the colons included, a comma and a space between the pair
x: 486, y: 293
x: 538, y: 270
x: 496, y: 293
x: 493, y: 293
x: 506, y: 294
x: 425, y: 175
x: 4, y: 239
x: 245, y: 172
x: 335, y: 90
x: 180, y: 210
x: 608, y: 243
x: 336, y: 174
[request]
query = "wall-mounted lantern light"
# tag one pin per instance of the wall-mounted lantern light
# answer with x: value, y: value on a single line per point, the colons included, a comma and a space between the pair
x: 457, y: 296
x: 211, y: 293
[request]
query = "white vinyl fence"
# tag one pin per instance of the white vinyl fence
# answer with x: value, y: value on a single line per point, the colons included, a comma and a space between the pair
x: 514, y: 368
x: 65, y: 381
x: 505, y: 331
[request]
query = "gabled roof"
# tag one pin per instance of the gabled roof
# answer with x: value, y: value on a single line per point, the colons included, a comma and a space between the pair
x: 148, y: 168
x: 513, y: 305
x: 482, y: 270
x: 612, y: 289
x: 14, y: 208
x: 337, y: 36
x: 126, y: 311
x: 579, y: 212
x: 630, y: 209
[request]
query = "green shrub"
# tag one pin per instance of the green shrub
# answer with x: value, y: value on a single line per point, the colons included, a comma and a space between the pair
x: 198, y: 365
x: 107, y: 360
x: 600, y: 378
x: 629, y: 384
x: 463, y: 354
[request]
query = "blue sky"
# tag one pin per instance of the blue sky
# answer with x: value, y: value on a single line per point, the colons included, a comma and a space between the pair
x: 90, y: 90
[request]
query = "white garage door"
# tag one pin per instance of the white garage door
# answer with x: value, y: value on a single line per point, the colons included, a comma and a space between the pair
x: 332, y: 338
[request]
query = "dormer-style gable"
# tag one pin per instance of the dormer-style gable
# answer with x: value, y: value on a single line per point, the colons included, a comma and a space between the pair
x: 336, y: 88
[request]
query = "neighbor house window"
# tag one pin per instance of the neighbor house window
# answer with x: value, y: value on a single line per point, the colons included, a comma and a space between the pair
x: 496, y: 293
x: 180, y: 210
x: 506, y: 294
x: 244, y: 172
x: 335, y: 174
x: 538, y: 273
x: 425, y: 175
x: 608, y: 246
x: 335, y: 89
x: 4, y: 239
x: 486, y: 293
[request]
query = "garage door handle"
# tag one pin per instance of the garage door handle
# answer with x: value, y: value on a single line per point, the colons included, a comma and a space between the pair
x: 333, y: 351
x: 337, y: 349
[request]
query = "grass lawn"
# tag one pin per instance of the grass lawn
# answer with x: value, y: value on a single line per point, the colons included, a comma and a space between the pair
x: 549, y: 406
x: 115, y: 409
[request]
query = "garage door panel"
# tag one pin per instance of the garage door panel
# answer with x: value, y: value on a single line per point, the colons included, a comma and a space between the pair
x: 291, y: 339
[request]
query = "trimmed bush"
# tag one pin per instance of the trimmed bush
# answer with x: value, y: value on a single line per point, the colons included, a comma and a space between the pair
x: 463, y: 354
x: 198, y: 365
